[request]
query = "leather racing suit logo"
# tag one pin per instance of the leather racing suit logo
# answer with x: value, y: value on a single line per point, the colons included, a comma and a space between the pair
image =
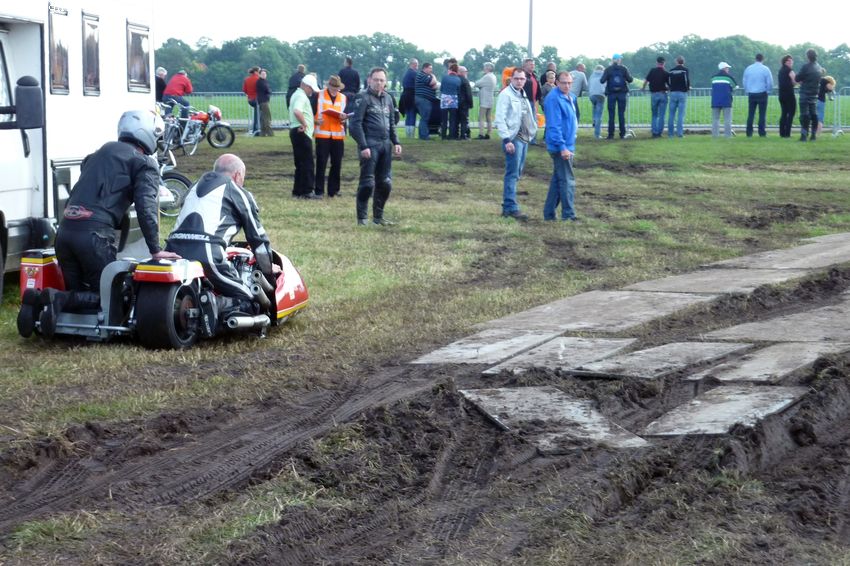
x: 77, y: 212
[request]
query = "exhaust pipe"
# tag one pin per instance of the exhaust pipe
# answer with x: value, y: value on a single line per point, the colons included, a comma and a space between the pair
x: 248, y: 322
x: 260, y: 296
x: 261, y: 280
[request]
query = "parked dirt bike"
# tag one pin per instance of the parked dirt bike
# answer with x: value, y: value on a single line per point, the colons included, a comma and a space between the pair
x: 186, y: 133
x: 161, y: 303
x: 174, y: 185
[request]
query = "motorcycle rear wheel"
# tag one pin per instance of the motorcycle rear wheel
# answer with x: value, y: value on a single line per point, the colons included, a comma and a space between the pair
x: 178, y: 185
x: 163, y: 316
x: 221, y: 137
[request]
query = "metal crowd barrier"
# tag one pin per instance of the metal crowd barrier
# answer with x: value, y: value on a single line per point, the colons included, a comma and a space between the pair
x: 235, y: 110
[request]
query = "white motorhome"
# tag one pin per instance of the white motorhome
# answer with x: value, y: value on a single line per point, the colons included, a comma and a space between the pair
x: 93, y: 60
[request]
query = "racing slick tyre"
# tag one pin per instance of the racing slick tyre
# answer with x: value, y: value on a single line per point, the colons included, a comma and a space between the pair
x: 221, y: 137
x: 167, y: 316
x: 178, y: 185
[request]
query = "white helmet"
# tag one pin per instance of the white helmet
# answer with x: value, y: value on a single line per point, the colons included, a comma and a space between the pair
x: 142, y: 127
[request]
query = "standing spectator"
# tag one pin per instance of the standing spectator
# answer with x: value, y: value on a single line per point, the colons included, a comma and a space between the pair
x: 680, y: 84
x: 826, y: 88
x: 596, y: 92
x: 295, y: 82
x: 330, y: 135
x: 301, y: 135
x: 176, y: 90
x: 722, y: 87
x: 532, y: 91
x: 249, y: 87
x: 658, y: 80
x: 373, y: 128
x: 758, y: 82
x: 809, y: 80
x: 547, y: 86
x: 349, y: 76
x: 787, y: 99
x: 161, y: 73
x: 426, y: 95
x: 561, y: 129
x: 517, y: 125
x: 407, y: 103
x: 465, y: 103
x: 579, y: 84
x: 616, y: 78
x: 449, y: 97
x: 486, y: 88
x: 264, y: 95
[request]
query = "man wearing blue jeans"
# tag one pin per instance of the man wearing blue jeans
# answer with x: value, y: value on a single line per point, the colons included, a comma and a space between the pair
x: 517, y: 125
x: 559, y: 106
x: 680, y: 84
x: 758, y: 82
x: 616, y: 77
x: 657, y: 79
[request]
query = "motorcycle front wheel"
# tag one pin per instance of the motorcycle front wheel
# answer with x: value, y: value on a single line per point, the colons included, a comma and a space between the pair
x: 167, y: 316
x: 220, y: 136
x: 178, y: 185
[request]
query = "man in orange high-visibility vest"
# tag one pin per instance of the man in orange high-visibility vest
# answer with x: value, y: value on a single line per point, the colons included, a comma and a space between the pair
x: 330, y: 135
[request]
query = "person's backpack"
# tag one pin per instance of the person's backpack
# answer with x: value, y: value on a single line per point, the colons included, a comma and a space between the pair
x: 617, y: 81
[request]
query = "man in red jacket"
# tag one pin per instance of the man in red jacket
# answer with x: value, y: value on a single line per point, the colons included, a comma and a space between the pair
x: 249, y: 87
x: 176, y: 90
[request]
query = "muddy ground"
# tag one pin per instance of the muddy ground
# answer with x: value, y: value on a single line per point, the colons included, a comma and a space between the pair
x: 425, y: 478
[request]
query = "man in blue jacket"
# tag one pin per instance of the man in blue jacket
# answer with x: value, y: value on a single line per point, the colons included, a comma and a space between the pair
x: 561, y: 127
x: 722, y: 85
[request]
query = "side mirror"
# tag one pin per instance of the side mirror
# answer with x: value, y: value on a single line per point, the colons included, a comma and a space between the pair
x: 29, y: 104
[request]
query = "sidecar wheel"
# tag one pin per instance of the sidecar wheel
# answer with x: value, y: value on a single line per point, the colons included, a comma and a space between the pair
x: 221, y: 137
x: 178, y: 185
x: 167, y: 316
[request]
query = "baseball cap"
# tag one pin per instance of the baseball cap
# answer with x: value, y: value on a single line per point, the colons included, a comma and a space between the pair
x: 617, y: 56
x: 723, y: 65
x: 310, y: 81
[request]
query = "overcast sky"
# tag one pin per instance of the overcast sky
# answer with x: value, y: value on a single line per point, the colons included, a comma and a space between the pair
x: 589, y: 27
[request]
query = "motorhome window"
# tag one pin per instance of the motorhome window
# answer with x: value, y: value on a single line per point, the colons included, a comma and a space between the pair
x: 60, y: 35
x: 91, y: 55
x: 138, y: 58
x: 5, y: 86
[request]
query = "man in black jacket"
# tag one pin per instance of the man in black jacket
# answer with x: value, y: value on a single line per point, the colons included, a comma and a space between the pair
x: 373, y: 128
x: 809, y: 80
x: 351, y: 79
x: 616, y: 78
x: 117, y: 175
x: 465, y: 102
x: 295, y: 82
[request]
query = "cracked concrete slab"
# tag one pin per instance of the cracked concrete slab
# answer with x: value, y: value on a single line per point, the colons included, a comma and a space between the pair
x: 720, y: 280
x: 771, y: 364
x: 487, y: 347
x: 718, y: 410
x: 562, y: 353
x: 657, y: 362
x: 601, y: 311
x: 554, y: 421
x: 826, y: 324
x: 816, y: 255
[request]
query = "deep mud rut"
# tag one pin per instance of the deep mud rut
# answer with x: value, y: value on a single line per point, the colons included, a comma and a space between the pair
x: 434, y: 481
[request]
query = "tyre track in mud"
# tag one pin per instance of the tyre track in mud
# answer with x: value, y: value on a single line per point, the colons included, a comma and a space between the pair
x: 198, y: 467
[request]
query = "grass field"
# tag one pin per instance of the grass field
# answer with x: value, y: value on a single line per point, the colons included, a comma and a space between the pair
x: 381, y: 296
x: 697, y: 113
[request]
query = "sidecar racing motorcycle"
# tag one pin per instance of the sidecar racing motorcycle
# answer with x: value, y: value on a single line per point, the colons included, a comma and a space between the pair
x: 162, y: 303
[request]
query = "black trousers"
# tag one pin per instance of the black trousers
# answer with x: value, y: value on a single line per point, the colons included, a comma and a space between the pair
x: 333, y: 149
x: 83, y: 253
x: 809, y: 116
x: 375, y: 176
x: 449, y: 124
x: 302, y: 153
x: 619, y: 99
x: 757, y: 101
x: 788, y: 106
x: 463, y: 122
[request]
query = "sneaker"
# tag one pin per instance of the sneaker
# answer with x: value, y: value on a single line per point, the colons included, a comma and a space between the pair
x: 53, y: 301
x: 383, y: 222
x: 516, y: 215
x: 362, y: 222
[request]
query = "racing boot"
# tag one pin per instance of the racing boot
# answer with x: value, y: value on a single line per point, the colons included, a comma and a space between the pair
x: 362, y: 212
x: 30, y: 308
x: 54, y: 302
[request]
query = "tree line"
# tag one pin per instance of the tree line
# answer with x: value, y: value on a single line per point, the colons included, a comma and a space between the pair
x: 222, y: 69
